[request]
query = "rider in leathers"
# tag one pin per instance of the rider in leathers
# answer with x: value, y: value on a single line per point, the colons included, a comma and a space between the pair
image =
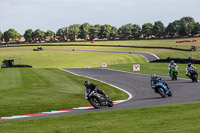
x: 89, y: 87
x: 172, y: 63
x: 188, y: 68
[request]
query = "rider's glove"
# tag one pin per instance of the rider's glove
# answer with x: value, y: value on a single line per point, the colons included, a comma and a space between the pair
x: 186, y: 74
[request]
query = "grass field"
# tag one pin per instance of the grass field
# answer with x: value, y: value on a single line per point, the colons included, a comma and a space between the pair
x: 158, y: 42
x: 70, y: 59
x: 180, y: 118
x: 157, y: 68
x: 25, y: 91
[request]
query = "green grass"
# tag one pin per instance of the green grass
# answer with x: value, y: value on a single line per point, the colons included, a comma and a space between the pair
x: 70, y: 59
x: 157, y: 68
x: 25, y: 91
x: 180, y: 118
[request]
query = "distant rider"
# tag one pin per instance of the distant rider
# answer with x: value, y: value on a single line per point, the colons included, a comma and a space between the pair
x: 89, y: 87
x: 188, y: 68
x: 172, y: 64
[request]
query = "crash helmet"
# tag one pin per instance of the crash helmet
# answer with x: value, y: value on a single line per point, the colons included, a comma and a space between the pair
x: 86, y: 83
x: 172, y: 62
x: 189, y: 64
x: 153, y: 75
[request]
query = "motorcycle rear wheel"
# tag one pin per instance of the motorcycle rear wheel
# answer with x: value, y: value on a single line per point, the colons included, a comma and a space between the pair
x: 95, y: 102
x: 170, y: 94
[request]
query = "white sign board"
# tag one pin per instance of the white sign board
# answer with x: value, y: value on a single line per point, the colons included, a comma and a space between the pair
x: 136, y: 67
x: 104, y: 64
x: 87, y: 66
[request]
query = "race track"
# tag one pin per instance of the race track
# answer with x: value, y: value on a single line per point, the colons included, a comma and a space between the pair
x: 138, y: 85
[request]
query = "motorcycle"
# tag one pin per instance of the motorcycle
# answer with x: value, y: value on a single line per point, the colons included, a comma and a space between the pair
x: 174, y: 73
x: 97, y: 100
x: 193, y: 75
x: 163, y: 89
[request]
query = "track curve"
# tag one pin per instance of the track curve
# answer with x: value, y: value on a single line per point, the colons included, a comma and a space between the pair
x: 139, y: 86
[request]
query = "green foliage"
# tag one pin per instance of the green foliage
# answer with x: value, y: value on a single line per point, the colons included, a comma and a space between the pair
x: 113, y: 33
x: 28, y: 35
x: 170, y: 30
x: 50, y: 34
x: 94, y: 31
x: 158, y: 29
x: 136, y: 30
x: 1, y: 36
x: 11, y: 35
x: 187, y: 25
x: 125, y: 31
x: 61, y: 35
x: 105, y: 31
x: 39, y: 35
x: 84, y: 31
x: 196, y: 29
x: 147, y: 30
x: 73, y: 31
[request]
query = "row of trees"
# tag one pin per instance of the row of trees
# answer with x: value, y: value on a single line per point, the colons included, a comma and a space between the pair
x: 185, y: 27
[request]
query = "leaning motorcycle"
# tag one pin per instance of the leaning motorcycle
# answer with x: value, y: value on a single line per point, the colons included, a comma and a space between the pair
x: 97, y: 100
x: 193, y: 75
x: 174, y: 73
x: 163, y: 89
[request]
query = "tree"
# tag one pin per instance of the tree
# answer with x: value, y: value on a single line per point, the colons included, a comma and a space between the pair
x: 187, y: 25
x: 11, y: 35
x: 105, y: 31
x: 147, y: 30
x: 195, y: 29
x: 158, y: 29
x: 125, y: 31
x: 50, y: 35
x: 73, y: 31
x: 170, y: 30
x: 28, y: 35
x: 113, y: 33
x: 0, y: 36
x: 38, y: 35
x: 61, y: 35
x: 84, y: 31
x: 136, y: 31
x: 66, y: 32
x: 94, y: 31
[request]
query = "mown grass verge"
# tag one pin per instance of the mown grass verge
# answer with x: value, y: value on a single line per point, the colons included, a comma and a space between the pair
x: 177, y: 118
x: 157, y: 68
x: 70, y: 59
x: 25, y: 91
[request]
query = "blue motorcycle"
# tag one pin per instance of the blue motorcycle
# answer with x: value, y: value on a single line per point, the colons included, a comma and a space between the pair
x: 163, y: 89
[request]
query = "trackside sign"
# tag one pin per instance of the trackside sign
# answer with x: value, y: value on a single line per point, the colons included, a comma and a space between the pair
x: 104, y: 64
x: 136, y: 67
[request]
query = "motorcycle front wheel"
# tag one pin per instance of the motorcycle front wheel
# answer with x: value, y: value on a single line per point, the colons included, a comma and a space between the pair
x: 161, y: 91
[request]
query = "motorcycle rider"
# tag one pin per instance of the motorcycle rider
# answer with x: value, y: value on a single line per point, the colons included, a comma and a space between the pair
x: 89, y: 87
x: 172, y: 64
x: 155, y: 79
x: 188, y: 68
